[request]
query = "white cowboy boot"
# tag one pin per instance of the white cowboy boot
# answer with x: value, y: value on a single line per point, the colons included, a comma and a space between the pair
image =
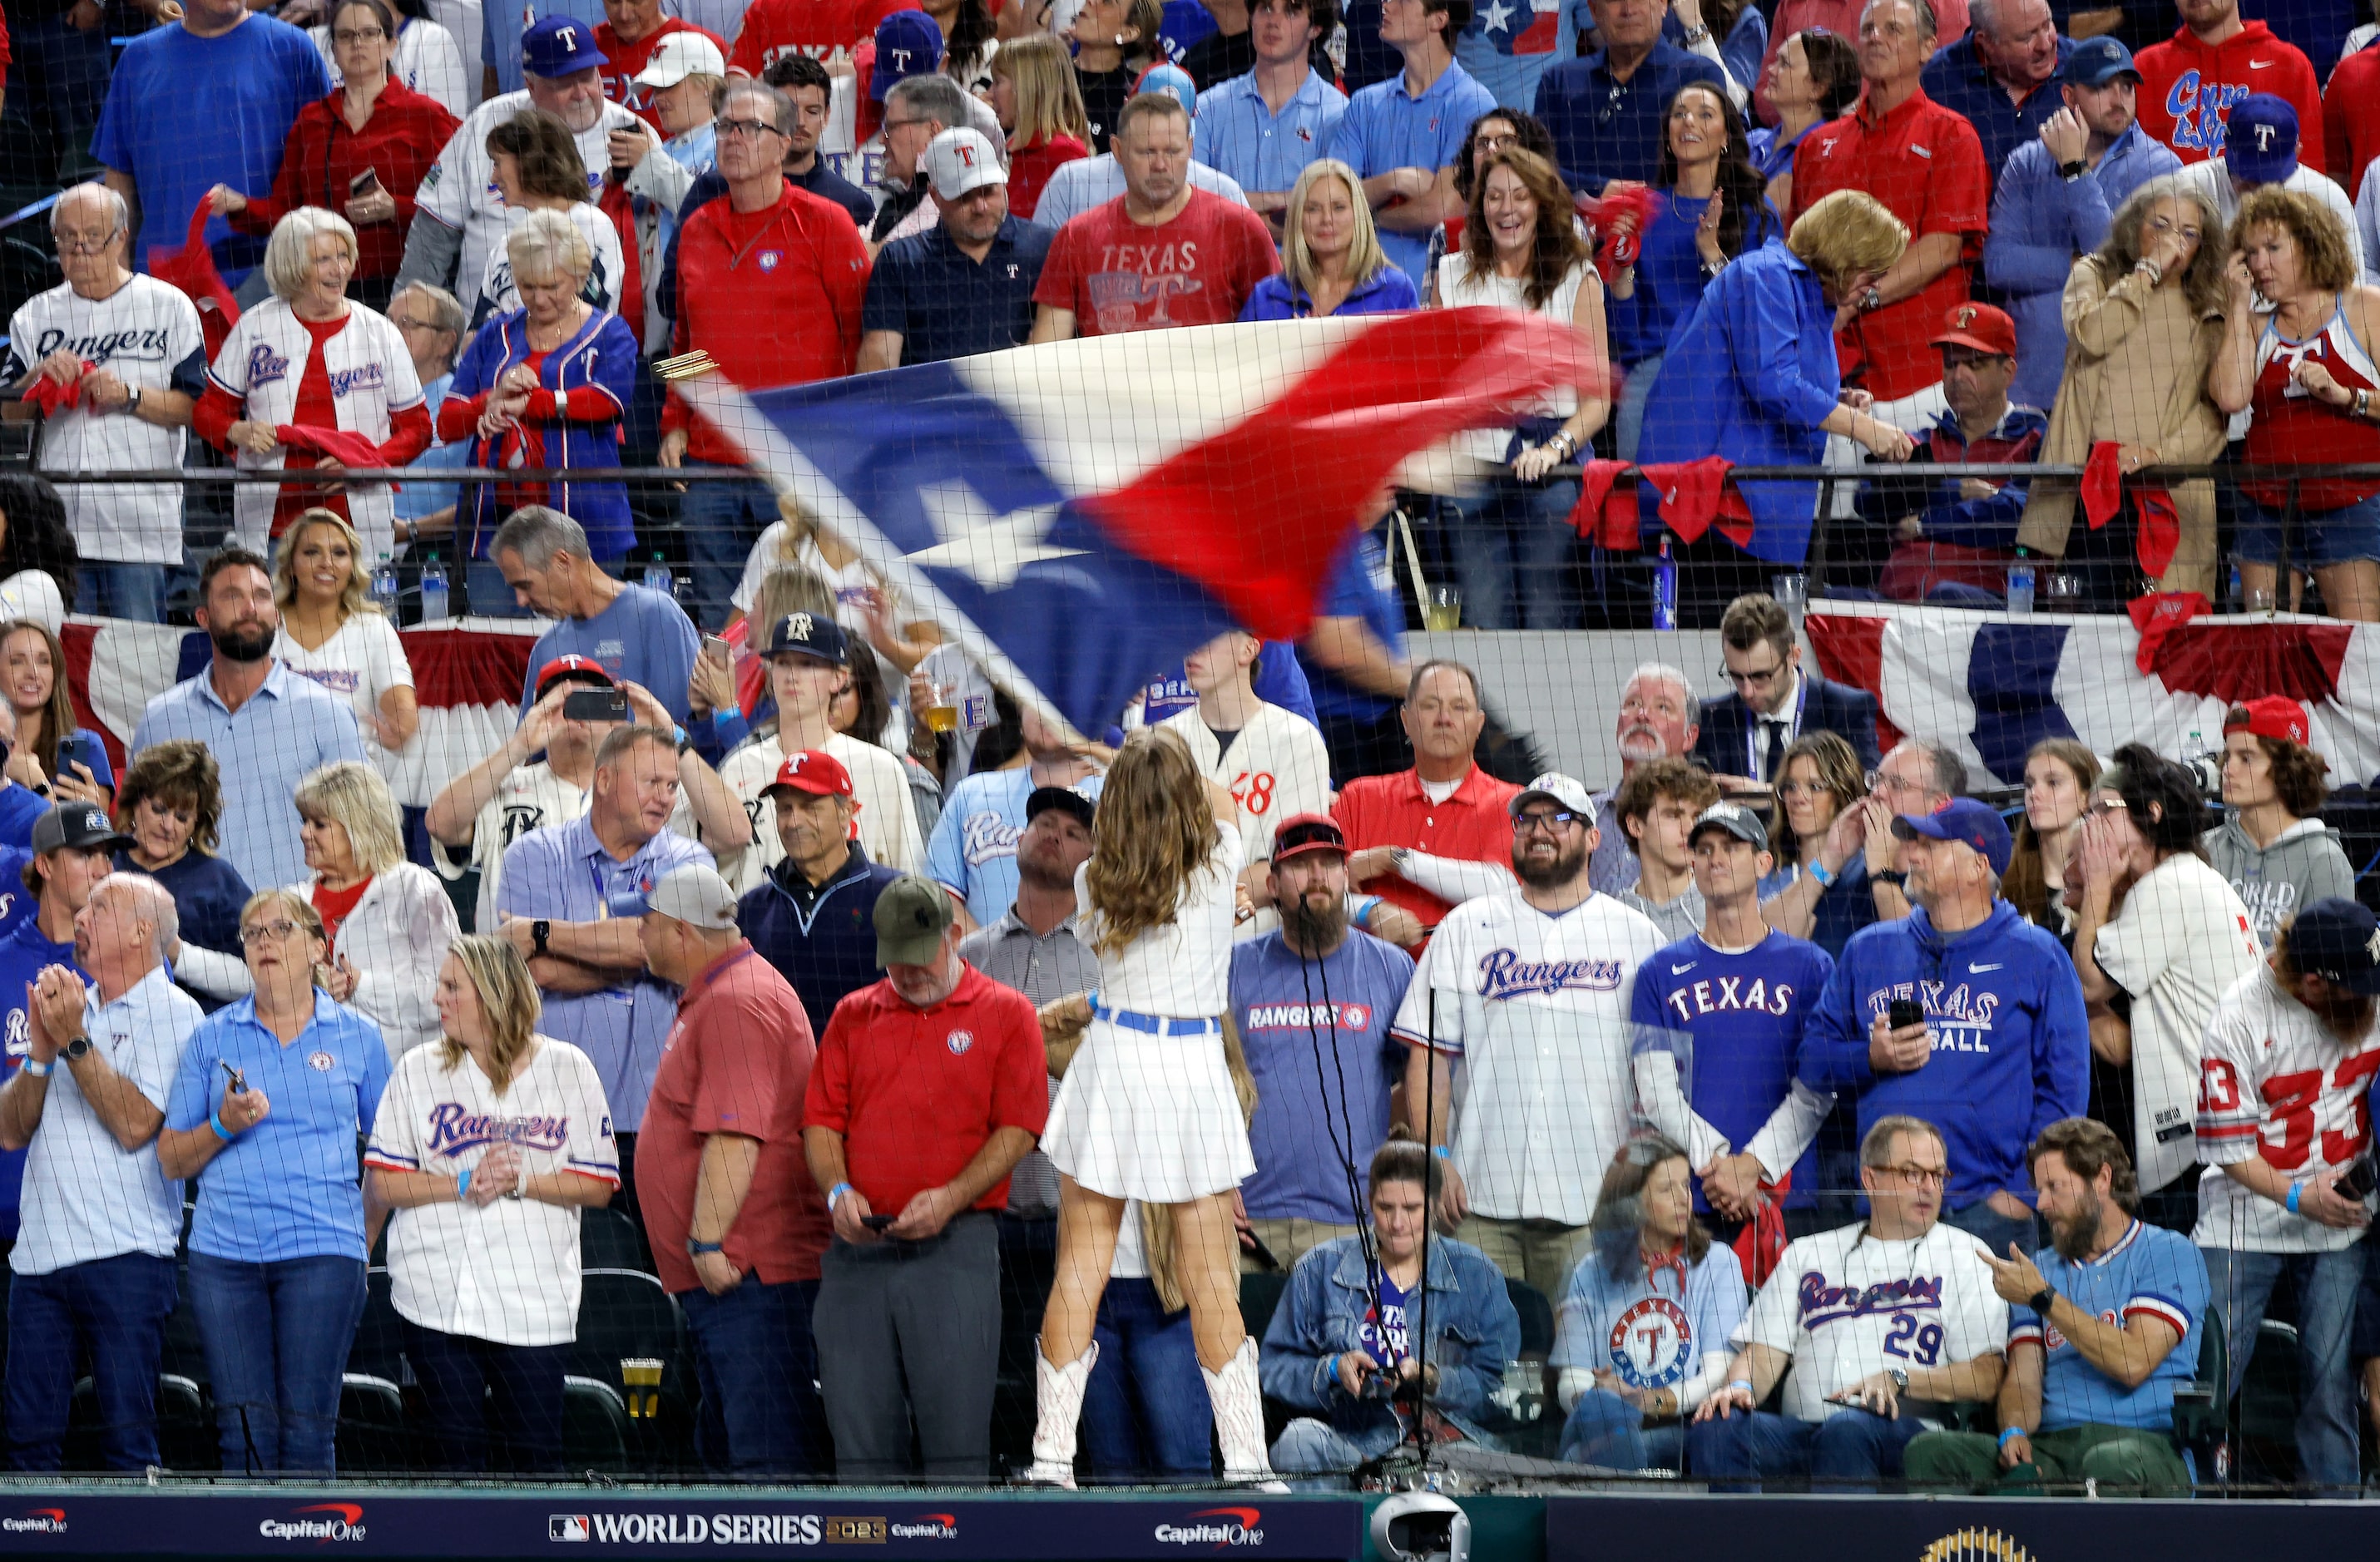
x: 1239, y: 1418
x: 1058, y: 1402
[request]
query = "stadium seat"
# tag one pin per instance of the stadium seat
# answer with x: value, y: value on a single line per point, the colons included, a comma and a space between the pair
x: 611, y: 1239
x: 1536, y: 1319
x: 184, y: 1353
x: 2200, y: 1410
x: 1259, y: 1294
x: 595, y: 1429
x: 373, y: 1438
x: 2267, y: 1409
x: 624, y: 1314
x: 185, y: 1432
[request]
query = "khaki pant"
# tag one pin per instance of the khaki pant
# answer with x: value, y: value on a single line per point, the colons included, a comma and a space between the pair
x: 1290, y: 1238
x: 2123, y: 1461
x: 1541, y: 1253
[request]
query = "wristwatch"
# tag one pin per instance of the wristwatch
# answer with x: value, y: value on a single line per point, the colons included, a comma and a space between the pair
x: 132, y: 402
x: 1893, y: 876
x: 73, y: 1051
x: 514, y: 1192
x: 2040, y: 1301
x: 1870, y: 301
x: 2072, y: 171
x: 1899, y: 1379
x: 539, y: 931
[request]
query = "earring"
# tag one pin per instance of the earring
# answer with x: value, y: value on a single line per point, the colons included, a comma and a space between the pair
x: 1118, y: 41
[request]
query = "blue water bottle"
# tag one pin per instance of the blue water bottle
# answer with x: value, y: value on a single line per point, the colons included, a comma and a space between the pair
x: 434, y: 600
x: 2020, y: 583
x: 658, y: 577
x: 1665, y: 589
x: 384, y: 587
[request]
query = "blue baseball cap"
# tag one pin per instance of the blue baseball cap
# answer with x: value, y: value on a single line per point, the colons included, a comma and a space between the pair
x: 2260, y: 141
x: 557, y: 47
x: 907, y: 45
x: 1965, y: 819
x: 2097, y: 61
x: 2337, y: 940
x: 1171, y: 80
x: 810, y: 634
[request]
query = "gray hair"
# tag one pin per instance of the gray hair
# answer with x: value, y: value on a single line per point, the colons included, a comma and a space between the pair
x: 446, y: 311
x: 934, y: 96
x: 118, y: 212
x: 536, y: 534
x: 1926, y: 25
x: 154, y: 903
x: 1950, y: 771
x: 548, y: 243
x: 781, y: 108
x: 289, y: 253
x: 1661, y: 672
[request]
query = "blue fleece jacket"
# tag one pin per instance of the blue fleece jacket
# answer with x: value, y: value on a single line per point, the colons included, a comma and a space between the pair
x: 2011, y: 1045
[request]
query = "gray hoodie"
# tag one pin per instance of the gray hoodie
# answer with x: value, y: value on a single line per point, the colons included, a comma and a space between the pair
x: 2304, y: 863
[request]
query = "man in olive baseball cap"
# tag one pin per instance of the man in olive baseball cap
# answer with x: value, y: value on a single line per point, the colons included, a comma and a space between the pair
x: 912, y: 916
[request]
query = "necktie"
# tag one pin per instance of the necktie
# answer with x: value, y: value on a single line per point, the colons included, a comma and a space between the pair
x: 1776, y: 761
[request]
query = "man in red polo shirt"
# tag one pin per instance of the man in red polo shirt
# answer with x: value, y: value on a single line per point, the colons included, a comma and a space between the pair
x: 1924, y: 163
x: 1427, y: 838
x: 929, y: 1087
x: 630, y: 32
x: 735, y: 1224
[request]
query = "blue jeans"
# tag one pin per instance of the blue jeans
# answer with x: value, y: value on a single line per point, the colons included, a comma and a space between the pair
x: 2322, y: 537
x: 1995, y: 1231
x: 1850, y: 1450
x: 2240, y: 1283
x: 1514, y: 553
x: 489, y: 1398
x: 758, y: 1366
x: 1607, y: 1430
x: 1311, y: 1447
x: 276, y: 1338
x: 1144, y: 1412
x: 1628, y: 417
x: 136, y: 592
x: 114, y: 1310
x: 722, y: 521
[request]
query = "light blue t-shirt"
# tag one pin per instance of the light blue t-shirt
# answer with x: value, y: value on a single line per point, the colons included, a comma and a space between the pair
x: 643, y: 637
x: 288, y: 729
x: 2150, y: 1272
x: 1386, y: 128
x: 415, y: 501
x: 185, y: 113
x: 289, y: 1187
x: 1648, y: 1328
x: 974, y: 846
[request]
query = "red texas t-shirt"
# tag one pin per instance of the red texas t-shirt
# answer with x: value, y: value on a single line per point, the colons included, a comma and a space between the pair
x: 1118, y: 275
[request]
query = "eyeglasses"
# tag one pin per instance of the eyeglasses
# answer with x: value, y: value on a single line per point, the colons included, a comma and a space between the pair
x: 893, y: 125
x: 351, y: 35
x: 83, y: 243
x: 1922, y: 1176
x: 1884, y: 780
x: 1610, y: 108
x: 277, y: 932
x: 749, y: 130
x: 1802, y: 789
x: 1760, y: 678
x: 1551, y: 821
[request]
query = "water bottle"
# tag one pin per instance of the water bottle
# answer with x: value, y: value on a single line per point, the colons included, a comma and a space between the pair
x: 434, y: 604
x: 658, y: 578
x: 1665, y: 589
x: 383, y: 588
x: 2020, y: 586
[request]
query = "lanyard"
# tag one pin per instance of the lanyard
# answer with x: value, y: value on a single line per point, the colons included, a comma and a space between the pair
x: 1753, y: 749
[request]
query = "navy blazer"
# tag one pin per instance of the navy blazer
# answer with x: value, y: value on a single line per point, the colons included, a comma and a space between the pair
x: 1831, y: 708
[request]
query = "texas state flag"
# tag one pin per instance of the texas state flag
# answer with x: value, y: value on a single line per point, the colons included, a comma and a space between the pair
x: 1079, y: 516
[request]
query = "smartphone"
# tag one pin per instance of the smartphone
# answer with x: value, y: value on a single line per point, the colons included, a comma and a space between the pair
x: 1904, y: 1012
x: 877, y: 1222
x: 77, y: 749
x: 718, y: 650
x: 2358, y: 1180
x: 238, y: 1080
x: 595, y: 704
x: 363, y: 184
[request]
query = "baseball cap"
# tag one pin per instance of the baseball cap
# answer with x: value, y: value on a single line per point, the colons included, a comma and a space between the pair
x: 2097, y: 61
x: 910, y: 916
x: 571, y: 666
x: 1963, y: 818
x: 679, y: 56
x: 1174, y: 81
x: 1570, y: 793
x: 1979, y: 326
x: 2270, y: 715
x: 811, y: 635
x: 908, y: 43
x: 1735, y: 819
x: 2260, y: 142
x: 963, y: 160
x: 84, y: 826
x: 556, y: 46
x: 2338, y: 940
x: 1045, y: 798
x: 812, y: 770
x: 695, y: 895
x: 1301, y: 834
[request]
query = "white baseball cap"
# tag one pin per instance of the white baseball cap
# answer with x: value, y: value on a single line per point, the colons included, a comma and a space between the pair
x: 963, y: 160
x: 694, y: 894
x: 1562, y: 790
x: 679, y: 56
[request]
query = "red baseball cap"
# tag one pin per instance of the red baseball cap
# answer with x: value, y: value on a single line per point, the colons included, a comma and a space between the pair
x: 565, y: 666
x: 1302, y: 833
x: 2275, y: 716
x: 1979, y: 326
x: 812, y: 770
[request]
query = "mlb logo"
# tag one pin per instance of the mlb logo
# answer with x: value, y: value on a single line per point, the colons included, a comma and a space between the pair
x: 769, y: 259
x: 567, y: 1527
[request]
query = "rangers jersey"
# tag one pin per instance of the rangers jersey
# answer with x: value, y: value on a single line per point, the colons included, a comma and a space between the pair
x: 460, y: 189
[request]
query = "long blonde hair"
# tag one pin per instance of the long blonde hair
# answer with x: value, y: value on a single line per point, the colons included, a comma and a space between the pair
x: 1049, y: 98
x: 1365, y: 257
x: 355, y: 596
x: 508, y: 1000
x: 1153, y: 832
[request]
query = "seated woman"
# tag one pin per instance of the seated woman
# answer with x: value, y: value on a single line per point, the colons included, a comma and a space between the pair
x: 1628, y: 1389
x: 170, y: 804
x: 51, y: 750
x: 1345, y: 1347
x: 1331, y: 256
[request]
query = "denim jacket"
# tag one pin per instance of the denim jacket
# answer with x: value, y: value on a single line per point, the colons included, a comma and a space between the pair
x: 1473, y: 1334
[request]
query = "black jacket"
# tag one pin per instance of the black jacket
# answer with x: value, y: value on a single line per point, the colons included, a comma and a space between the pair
x: 822, y: 942
x: 1829, y: 708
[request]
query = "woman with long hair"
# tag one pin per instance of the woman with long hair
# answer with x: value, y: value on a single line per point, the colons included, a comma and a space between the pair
x: 1626, y: 1395
x: 2271, y: 845
x: 1522, y: 250
x: 1115, y: 41
x: 1819, y: 890
x: 2145, y: 324
x: 1040, y: 106
x: 170, y: 805
x: 1815, y: 78
x: 1489, y: 134
x: 970, y: 42
x: 483, y: 1236
x: 1147, y: 1110
x: 2058, y: 776
x: 1330, y: 257
x: 33, y: 670
x: 334, y: 633
x: 1710, y: 205
x: 534, y: 163
x: 39, y: 565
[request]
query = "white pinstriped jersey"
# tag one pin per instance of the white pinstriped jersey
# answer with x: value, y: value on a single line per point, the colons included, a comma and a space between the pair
x: 1277, y: 768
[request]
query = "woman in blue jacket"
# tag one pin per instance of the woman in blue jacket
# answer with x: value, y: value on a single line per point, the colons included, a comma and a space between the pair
x: 1342, y: 1345
x: 544, y: 386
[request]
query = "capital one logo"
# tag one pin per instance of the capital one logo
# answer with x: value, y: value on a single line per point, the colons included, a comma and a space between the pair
x: 341, y: 1521
x: 36, y: 1522
x: 1214, y: 1527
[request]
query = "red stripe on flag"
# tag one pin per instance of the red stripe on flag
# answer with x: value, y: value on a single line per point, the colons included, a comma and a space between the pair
x: 1257, y: 513
x: 464, y: 667
x: 1850, y: 651
x: 78, y: 640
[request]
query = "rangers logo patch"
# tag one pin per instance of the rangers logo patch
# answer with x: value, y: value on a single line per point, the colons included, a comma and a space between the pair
x: 958, y: 1042
x: 769, y: 259
x: 321, y: 1062
x: 1652, y: 1344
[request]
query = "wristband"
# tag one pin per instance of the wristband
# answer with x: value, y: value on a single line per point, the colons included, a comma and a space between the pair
x: 2290, y: 1203
x: 462, y: 1182
x: 215, y: 1121
x: 2008, y: 1432
x: 834, y: 1195
x: 1826, y: 879
x: 1742, y: 1383
x: 1360, y: 907
x: 39, y: 1070
x: 677, y: 736
x: 1442, y: 1152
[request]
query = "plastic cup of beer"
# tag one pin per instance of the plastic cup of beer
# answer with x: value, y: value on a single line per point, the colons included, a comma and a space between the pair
x: 641, y: 1376
x: 943, y: 715
x: 1444, y: 609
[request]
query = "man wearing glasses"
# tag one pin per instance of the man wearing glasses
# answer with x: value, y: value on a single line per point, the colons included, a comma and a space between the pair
x: 1878, y: 1319
x: 1744, y: 736
x: 1963, y: 1013
x: 1528, y: 992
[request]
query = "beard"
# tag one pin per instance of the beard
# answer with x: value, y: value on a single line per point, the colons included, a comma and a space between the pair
x: 248, y: 643
x: 1640, y: 744
x: 1568, y: 864
x: 2345, y: 1015
x: 1043, y: 873
x: 2076, y: 1235
x: 1315, y: 928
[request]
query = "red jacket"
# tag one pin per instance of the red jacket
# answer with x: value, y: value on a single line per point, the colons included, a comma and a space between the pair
x: 2188, y: 87
x: 403, y: 138
x: 2351, y: 119
x: 779, y: 305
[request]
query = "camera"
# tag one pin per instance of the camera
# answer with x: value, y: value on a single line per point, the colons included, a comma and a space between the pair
x: 2206, y: 770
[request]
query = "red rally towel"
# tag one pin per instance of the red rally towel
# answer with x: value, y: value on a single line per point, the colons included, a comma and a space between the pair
x: 1762, y: 1241
x: 53, y: 398
x: 193, y: 269
x: 1606, y: 512
x: 1695, y: 496
x: 2160, y: 529
x: 1618, y: 218
x: 349, y: 448
x: 2158, y: 614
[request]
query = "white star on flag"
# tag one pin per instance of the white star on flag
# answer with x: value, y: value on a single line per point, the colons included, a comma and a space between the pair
x: 991, y: 549
x: 1498, y: 16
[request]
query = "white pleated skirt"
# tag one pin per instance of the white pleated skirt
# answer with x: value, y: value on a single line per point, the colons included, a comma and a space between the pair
x: 1148, y: 1116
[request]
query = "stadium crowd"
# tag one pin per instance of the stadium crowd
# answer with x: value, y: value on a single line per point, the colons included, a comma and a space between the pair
x: 1838, y: 1129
